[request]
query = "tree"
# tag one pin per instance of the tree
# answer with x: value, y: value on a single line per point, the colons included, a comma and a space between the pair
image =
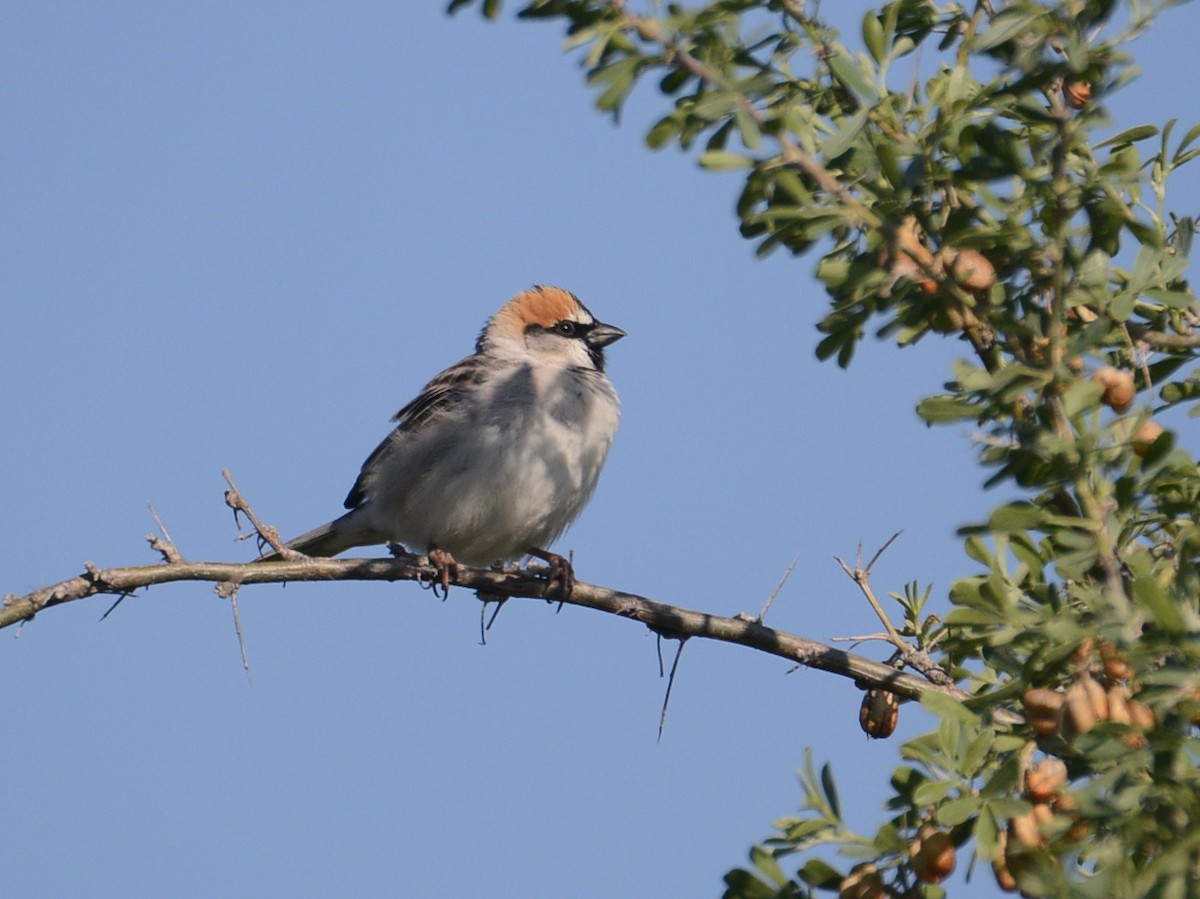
x: 973, y: 199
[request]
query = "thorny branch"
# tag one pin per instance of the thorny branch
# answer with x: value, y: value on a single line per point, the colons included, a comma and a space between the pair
x: 490, y: 585
x: 913, y: 656
x: 672, y: 621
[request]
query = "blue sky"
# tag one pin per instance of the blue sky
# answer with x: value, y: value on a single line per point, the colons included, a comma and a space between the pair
x: 242, y: 236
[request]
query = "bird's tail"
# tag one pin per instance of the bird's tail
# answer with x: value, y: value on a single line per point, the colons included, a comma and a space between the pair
x: 329, y: 539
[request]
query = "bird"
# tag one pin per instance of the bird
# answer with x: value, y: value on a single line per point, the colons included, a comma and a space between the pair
x: 498, y: 454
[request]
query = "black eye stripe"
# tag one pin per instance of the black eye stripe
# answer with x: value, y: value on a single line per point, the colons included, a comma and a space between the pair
x: 566, y: 328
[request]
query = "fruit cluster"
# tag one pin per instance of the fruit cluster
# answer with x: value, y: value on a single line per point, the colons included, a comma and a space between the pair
x: 1102, y: 690
x: 1088, y: 701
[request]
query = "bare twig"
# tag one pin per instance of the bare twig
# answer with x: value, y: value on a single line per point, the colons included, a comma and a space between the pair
x: 1160, y: 340
x: 862, y: 638
x: 266, y: 533
x: 229, y: 590
x: 862, y: 576
x: 783, y: 580
x: 166, y: 545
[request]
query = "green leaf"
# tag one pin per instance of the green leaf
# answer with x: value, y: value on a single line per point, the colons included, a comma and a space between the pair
x: 949, y: 709
x: 1129, y: 136
x: 956, y: 811
x: 846, y: 70
x: 936, y: 409
x: 1188, y: 140
x: 666, y: 130
x: 830, y: 789
x: 1162, y: 606
x: 976, y: 548
x: 1181, y: 391
x: 932, y: 793
x: 1143, y: 269
x: 873, y: 37
x: 744, y: 885
x: 1184, y: 158
x: 1082, y: 396
x: 820, y: 874
x: 1015, y: 517
x: 840, y: 142
x: 723, y: 161
x: 987, y: 835
x: 747, y: 128
x: 1004, y: 27
x: 1176, y: 299
x: 766, y: 864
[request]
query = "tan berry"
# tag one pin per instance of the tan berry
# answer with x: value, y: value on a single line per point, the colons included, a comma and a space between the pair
x: 932, y: 854
x: 1004, y: 877
x: 1115, y: 666
x: 970, y: 269
x: 1045, y: 779
x: 1082, y: 656
x: 863, y: 882
x: 1145, y: 435
x: 1067, y: 807
x: 1042, y: 709
x: 1024, y: 833
x: 1096, y: 694
x: 1118, y: 387
x: 1141, y: 715
x: 1079, y: 712
x: 1118, y: 704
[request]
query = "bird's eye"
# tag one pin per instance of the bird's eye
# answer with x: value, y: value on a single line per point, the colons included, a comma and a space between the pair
x: 565, y: 328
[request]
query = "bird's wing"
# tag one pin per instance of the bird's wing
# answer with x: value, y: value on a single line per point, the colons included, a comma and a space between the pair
x: 441, y: 395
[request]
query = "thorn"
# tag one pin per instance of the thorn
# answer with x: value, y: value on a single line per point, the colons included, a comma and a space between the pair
x: 783, y: 580
x: 120, y: 599
x: 662, y: 718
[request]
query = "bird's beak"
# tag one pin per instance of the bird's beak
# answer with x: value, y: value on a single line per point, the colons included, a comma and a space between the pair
x: 602, y: 335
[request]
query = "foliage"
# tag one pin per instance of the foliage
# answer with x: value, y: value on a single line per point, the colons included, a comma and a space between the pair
x: 953, y: 177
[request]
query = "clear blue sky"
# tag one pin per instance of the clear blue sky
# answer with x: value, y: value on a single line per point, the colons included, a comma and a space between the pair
x: 243, y: 235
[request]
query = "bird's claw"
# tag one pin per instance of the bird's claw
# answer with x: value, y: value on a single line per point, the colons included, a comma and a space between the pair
x: 447, y: 570
x: 561, y: 578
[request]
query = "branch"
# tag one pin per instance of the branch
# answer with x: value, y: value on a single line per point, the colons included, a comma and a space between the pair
x: 1163, y: 341
x: 674, y: 622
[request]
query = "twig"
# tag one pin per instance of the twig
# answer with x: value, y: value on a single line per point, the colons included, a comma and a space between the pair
x: 861, y: 576
x: 864, y: 638
x: 229, y: 590
x: 165, y: 546
x: 1163, y: 341
x: 783, y: 580
x: 266, y: 533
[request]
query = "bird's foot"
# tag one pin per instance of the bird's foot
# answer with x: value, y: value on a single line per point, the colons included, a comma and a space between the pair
x: 561, y: 579
x: 447, y: 569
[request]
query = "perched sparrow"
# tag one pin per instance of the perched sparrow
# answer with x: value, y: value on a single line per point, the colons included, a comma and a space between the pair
x: 499, y: 453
